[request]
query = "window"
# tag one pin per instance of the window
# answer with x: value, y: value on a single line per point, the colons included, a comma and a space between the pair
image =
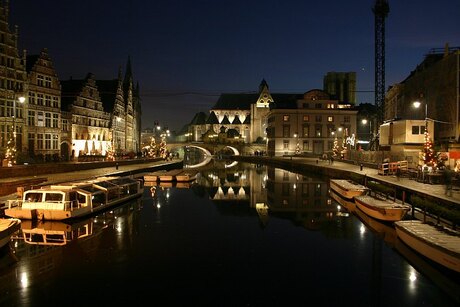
x: 40, y: 80
x: 55, y: 102
x: 31, y: 119
x: 318, y: 105
x: 305, y: 146
x: 418, y: 130
x: 48, y: 100
x: 318, y: 131
x: 55, y: 141
x: 65, y: 125
x: 305, y: 131
x: 346, y: 119
x: 47, y: 119
x: 330, y: 119
x: 286, y: 131
x: 286, y: 144
x: 330, y: 145
x: 48, y: 82
x: 285, y: 118
x: 56, y: 120
x: 40, y: 119
x: 47, y: 141
x: 40, y: 99
x: 318, y: 118
x: 40, y: 141
x: 306, y: 105
x: 306, y: 118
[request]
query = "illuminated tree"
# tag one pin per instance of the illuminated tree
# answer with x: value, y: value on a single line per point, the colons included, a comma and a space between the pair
x: 336, y: 149
x: 10, y: 154
x: 428, y: 155
x: 110, y: 154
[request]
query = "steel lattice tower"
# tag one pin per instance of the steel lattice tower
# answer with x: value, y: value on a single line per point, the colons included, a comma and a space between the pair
x: 381, y: 10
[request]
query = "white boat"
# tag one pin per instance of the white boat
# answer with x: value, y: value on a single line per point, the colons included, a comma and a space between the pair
x: 74, y: 199
x: 436, y: 243
x: 186, y: 176
x: 7, y: 228
x: 347, y: 188
x: 380, y: 208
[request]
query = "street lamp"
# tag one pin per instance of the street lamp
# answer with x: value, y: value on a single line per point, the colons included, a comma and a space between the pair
x: 364, y: 122
x: 21, y: 99
x: 417, y: 105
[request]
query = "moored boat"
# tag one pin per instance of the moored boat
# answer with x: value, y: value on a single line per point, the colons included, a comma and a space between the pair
x: 349, y: 205
x: 74, y: 199
x: 8, y: 226
x: 186, y: 176
x: 347, y: 188
x: 169, y: 175
x: 439, y: 244
x: 382, y: 208
x: 154, y: 176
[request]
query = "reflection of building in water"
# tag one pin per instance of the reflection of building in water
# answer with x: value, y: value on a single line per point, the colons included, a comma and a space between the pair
x: 305, y: 197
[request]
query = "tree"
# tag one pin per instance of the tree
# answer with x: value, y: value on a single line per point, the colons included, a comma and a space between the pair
x: 428, y: 155
x: 336, y: 149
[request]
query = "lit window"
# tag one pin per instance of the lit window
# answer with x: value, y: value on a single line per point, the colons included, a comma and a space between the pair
x: 285, y: 118
x: 330, y: 118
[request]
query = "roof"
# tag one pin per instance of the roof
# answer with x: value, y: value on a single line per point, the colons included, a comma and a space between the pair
x: 199, y: 119
x: 212, y: 119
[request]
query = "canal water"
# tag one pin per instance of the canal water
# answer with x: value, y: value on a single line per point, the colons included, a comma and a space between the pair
x: 241, y: 235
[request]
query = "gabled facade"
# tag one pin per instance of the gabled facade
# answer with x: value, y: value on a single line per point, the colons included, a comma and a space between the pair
x: 44, y: 122
x: 90, y: 123
x: 13, y: 85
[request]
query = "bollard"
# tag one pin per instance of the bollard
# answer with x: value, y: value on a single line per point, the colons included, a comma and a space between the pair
x: 316, y: 161
x: 361, y: 167
x: 116, y: 165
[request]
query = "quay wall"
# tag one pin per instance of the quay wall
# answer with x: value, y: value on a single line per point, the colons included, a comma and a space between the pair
x: 298, y: 166
x: 64, y: 167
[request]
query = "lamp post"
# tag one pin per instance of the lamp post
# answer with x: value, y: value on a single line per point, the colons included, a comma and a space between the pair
x: 364, y: 122
x: 21, y: 99
x: 417, y: 105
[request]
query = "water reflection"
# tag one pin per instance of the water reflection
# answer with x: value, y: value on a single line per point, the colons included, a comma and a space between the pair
x: 248, y: 234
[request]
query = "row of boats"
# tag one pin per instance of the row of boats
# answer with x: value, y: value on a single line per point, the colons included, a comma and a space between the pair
x: 438, y: 243
x: 73, y: 200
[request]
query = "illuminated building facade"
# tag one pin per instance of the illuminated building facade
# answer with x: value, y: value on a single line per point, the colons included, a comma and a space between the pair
x: 310, y: 124
x: 12, y: 86
x: 44, y: 123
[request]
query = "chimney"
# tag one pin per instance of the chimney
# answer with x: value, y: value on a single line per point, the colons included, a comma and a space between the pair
x: 446, y: 49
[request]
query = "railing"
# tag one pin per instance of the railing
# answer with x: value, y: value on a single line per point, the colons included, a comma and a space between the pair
x: 48, y: 205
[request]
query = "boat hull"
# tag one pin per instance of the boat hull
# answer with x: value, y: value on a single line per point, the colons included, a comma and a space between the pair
x: 448, y: 258
x: 347, y: 188
x: 387, y: 213
x: 7, y: 228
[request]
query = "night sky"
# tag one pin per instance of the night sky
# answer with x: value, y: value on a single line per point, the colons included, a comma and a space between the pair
x: 185, y: 53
